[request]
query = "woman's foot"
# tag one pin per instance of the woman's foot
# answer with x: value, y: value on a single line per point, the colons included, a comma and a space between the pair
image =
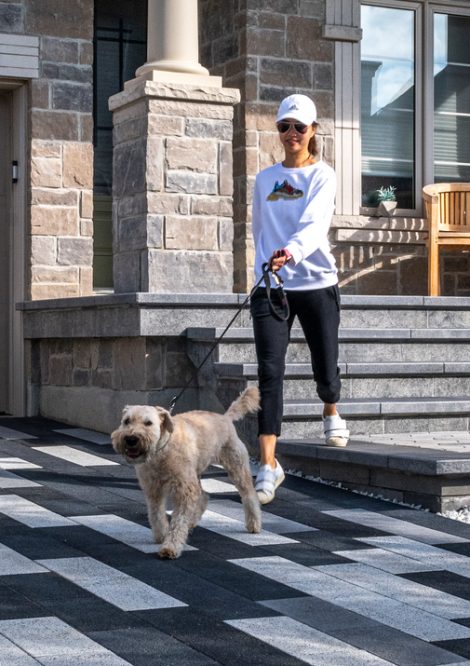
x: 335, y: 431
x: 267, y: 480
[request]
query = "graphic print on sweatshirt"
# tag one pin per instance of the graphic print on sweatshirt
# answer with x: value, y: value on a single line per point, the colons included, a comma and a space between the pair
x: 284, y: 190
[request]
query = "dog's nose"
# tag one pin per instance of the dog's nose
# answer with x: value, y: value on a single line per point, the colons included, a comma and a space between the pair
x: 131, y: 441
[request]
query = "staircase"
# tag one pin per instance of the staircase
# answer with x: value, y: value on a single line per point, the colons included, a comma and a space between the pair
x: 405, y: 365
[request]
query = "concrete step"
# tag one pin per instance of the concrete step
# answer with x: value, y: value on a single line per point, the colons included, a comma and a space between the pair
x: 346, y: 334
x: 405, y: 376
x: 380, y: 415
x: 362, y: 380
x: 428, y: 469
x: 394, y: 379
x: 356, y: 345
x: 405, y: 311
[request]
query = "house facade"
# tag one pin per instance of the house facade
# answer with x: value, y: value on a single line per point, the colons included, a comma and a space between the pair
x: 130, y: 137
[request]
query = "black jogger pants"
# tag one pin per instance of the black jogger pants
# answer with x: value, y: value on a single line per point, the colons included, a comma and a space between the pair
x: 318, y: 311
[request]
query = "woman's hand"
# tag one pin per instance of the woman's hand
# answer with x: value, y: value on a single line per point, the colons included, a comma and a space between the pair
x: 279, y: 259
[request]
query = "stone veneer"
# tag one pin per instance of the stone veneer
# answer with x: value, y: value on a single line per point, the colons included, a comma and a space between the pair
x: 267, y: 49
x: 172, y: 187
x: 271, y: 48
x: 61, y: 150
x: 88, y: 357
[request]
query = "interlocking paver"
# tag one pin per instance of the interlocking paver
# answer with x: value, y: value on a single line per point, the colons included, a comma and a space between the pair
x: 335, y: 577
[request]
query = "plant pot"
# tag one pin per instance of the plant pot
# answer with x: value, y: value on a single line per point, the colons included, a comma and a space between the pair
x: 386, y: 208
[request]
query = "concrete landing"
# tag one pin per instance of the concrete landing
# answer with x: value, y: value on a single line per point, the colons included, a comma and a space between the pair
x: 427, y: 469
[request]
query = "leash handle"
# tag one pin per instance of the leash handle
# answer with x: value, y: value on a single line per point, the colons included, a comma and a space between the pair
x: 284, y: 316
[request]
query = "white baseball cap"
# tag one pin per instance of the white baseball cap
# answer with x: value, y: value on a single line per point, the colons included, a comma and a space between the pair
x: 298, y: 107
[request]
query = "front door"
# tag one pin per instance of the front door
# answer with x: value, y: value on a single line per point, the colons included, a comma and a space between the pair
x: 5, y: 249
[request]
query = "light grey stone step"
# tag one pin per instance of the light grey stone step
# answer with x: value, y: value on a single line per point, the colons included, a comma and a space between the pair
x: 436, y: 479
x: 356, y: 345
x: 379, y: 425
x: 378, y: 351
x: 375, y: 416
x: 241, y: 334
x: 249, y: 370
x: 362, y: 380
x: 371, y: 408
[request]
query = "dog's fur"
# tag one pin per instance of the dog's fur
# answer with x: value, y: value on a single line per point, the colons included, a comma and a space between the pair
x: 170, y: 454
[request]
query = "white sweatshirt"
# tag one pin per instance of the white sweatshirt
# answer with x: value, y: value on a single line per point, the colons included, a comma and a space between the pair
x: 292, y: 209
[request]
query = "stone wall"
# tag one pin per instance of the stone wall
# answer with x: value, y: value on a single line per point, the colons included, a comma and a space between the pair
x: 384, y: 256
x: 61, y: 151
x: 96, y: 377
x: 88, y: 357
x: 268, y: 49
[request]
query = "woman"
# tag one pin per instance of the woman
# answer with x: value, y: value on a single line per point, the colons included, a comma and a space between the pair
x: 292, y: 208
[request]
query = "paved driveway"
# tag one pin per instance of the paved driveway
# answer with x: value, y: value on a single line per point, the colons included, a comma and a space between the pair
x: 334, y: 579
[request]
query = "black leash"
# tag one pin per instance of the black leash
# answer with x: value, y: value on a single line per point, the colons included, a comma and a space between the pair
x: 283, y: 317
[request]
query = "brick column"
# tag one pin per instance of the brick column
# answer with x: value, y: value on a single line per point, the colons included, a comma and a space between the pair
x: 172, y: 165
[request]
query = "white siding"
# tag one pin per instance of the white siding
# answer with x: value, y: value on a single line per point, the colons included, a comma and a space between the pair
x: 343, y: 26
x: 19, y: 56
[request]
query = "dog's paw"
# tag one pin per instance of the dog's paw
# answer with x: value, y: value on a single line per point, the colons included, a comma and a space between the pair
x: 253, y: 526
x: 169, y: 552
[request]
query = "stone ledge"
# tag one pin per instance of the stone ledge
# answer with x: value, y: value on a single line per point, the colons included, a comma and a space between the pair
x: 438, y: 480
x: 145, y: 298
x: 129, y: 315
x: 201, y: 91
x: 346, y: 334
x: 381, y: 407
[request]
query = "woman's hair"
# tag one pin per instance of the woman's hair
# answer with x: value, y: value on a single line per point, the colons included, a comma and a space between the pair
x: 312, y: 144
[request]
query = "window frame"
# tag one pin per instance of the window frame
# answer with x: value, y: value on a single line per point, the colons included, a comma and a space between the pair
x: 424, y: 11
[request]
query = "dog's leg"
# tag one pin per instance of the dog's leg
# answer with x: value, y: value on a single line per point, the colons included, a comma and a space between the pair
x: 158, y: 519
x: 186, y: 501
x: 155, y: 498
x: 200, y: 508
x: 234, y: 458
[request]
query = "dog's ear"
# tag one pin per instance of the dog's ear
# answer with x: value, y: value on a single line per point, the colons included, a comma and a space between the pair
x: 166, y: 420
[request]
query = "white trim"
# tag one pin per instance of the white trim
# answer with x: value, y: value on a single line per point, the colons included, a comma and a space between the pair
x: 347, y: 107
x: 424, y: 81
x: 16, y: 242
x: 19, y: 40
x: 19, y: 130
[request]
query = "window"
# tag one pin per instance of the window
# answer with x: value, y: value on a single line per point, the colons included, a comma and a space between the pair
x: 120, y: 44
x: 451, y: 98
x: 415, y: 97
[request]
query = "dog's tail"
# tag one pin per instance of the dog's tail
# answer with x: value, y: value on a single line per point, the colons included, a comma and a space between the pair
x: 247, y: 402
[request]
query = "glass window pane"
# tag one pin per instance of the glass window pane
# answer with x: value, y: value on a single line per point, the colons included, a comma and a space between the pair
x: 388, y: 103
x: 451, y: 98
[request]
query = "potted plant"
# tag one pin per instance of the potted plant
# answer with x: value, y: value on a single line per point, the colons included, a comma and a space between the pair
x: 386, y: 201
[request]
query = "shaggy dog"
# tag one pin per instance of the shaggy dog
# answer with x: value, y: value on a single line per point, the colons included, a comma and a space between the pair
x: 170, y: 454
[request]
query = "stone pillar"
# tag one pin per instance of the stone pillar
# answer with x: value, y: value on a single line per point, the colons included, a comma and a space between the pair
x: 172, y: 166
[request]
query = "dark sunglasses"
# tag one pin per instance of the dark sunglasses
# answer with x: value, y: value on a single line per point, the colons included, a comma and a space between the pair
x: 299, y: 127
